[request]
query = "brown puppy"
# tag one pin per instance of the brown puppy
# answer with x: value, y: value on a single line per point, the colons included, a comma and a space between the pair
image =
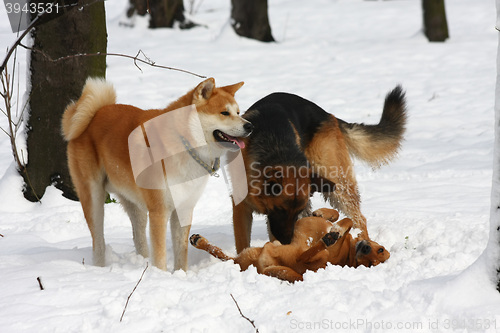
x: 298, y: 148
x: 316, y: 242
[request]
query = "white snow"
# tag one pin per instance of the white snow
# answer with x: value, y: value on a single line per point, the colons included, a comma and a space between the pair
x: 429, y: 208
x: 354, y: 232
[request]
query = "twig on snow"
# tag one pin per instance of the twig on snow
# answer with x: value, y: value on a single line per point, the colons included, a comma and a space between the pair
x: 40, y: 283
x: 241, y: 313
x: 128, y: 298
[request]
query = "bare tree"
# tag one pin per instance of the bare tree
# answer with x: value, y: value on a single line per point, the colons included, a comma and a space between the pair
x: 163, y: 13
x: 249, y: 18
x: 82, y: 29
x: 435, y: 23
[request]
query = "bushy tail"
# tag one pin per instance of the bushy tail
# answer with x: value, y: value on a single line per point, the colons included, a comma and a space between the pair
x: 378, y: 144
x: 77, y: 116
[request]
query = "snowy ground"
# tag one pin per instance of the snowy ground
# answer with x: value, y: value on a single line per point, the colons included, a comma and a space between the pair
x: 430, y: 208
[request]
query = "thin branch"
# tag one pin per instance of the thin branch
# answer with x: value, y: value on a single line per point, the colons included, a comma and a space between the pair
x: 40, y: 283
x: 128, y: 298
x: 5, y: 78
x: 17, y: 42
x: 135, y: 58
x: 18, y: 89
x: 1, y: 128
x: 198, y: 8
x: 22, y: 168
x: 241, y: 313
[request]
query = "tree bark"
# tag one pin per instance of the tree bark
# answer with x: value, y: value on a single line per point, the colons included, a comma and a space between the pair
x: 435, y: 24
x: 249, y: 18
x: 80, y: 30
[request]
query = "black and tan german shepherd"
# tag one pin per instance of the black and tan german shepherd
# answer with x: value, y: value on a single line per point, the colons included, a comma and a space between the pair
x: 297, y: 148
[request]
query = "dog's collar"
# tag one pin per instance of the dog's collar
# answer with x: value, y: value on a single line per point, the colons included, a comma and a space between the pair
x: 212, y: 170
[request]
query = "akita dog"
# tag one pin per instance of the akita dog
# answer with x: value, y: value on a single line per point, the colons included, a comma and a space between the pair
x: 101, y: 158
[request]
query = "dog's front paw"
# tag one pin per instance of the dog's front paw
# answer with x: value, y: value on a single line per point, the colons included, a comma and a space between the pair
x: 329, y: 214
x: 194, y: 239
x: 330, y: 238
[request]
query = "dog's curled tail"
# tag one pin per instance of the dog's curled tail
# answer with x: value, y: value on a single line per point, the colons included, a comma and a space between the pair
x: 379, y: 144
x: 95, y: 94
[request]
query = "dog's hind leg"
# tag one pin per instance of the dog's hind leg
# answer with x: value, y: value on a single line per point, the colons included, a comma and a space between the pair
x: 89, y: 182
x: 346, y: 196
x: 92, y: 196
x: 334, y: 164
x: 347, y: 199
x: 202, y: 243
x: 139, y: 219
x: 283, y: 273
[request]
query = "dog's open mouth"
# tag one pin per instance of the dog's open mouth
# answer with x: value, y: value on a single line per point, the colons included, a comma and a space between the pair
x: 223, y: 137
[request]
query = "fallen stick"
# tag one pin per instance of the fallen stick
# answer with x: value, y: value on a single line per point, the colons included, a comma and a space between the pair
x: 128, y: 298
x: 40, y: 283
x: 241, y: 313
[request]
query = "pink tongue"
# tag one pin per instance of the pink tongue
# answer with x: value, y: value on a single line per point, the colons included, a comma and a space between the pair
x: 240, y: 143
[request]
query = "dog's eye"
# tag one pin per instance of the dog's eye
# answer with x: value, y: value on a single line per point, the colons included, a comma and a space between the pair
x: 381, y: 250
x: 225, y: 113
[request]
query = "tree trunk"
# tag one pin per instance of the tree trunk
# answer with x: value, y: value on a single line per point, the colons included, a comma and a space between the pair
x: 163, y: 13
x: 53, y: 85
x: 435, y: 24
x: 492, y: 251
x: 249, y: 18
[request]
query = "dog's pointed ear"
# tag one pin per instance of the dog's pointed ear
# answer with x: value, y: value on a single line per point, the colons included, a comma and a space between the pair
x: 232, y: 89
x: 204, y: 90
x: 320, y: 184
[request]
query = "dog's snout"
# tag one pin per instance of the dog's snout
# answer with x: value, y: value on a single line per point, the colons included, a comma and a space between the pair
x: 365, y: 249
x: 248, y: 127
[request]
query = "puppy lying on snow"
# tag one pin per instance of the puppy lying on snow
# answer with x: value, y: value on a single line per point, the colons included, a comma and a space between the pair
x: 316, y: 241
